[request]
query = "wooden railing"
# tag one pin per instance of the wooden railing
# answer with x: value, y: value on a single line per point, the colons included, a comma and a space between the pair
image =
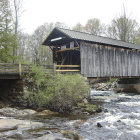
x: 7, y: 68
x: 68, y: 68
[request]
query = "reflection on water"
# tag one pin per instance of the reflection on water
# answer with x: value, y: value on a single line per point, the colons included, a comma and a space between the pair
x: 120, y: 120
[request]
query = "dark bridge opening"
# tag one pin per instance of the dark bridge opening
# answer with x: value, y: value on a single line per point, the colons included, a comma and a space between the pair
x: 10, y: 90
x: 68, y: 58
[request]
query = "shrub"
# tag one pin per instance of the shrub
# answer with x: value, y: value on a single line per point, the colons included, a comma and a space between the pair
x: 58, y: 92
x: 111, y: 80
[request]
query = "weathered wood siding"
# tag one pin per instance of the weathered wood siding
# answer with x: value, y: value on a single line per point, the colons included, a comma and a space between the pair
x: 109, y: 61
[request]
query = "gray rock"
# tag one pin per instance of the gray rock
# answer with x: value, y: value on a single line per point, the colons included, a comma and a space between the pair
x: 9, y: 112
x: 99, y: 125
x: 8, y: 128
x: 47, y: 137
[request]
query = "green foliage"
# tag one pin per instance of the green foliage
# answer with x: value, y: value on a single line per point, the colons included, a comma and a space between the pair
x: 8, y: 40
x: 88, y: 107
x: 58, y: 92
x: 78, y: 27
x: 111, y: 80
x: 138, y: 37
x: 94, y: 26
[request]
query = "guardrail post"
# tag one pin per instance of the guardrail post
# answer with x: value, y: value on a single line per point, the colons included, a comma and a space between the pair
x: 20, y: 71
x: 54, y: 68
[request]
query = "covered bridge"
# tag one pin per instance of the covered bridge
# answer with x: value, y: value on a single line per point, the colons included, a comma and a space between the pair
x: 93, y: 56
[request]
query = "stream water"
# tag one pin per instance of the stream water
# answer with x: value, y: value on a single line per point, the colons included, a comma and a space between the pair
x: 120, y: 120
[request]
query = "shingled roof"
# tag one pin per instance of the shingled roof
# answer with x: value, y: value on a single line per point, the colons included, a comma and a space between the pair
x: 76, y: 35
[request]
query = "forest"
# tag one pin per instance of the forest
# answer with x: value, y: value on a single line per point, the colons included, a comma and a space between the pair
x: 16, y: 45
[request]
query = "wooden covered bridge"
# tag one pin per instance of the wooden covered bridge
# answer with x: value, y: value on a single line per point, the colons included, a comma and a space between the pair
x: 93, y: 56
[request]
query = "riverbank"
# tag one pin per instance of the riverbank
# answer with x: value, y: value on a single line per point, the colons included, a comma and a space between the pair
x: 120, y: 119
x: 19, y: 123
x: 22, y: 123
x: 103, y: 84
x: 85, y: 106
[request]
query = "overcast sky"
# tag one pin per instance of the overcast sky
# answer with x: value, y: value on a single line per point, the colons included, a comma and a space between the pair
x: 37, y: 12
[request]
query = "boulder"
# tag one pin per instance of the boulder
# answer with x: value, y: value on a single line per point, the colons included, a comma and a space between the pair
x: 85, y: 101
x: 48, y: 113
x: 71, y: 135
x: 99, y: 125
x: 15, y: 112
x: 48, y: 137
x: 4, y: 129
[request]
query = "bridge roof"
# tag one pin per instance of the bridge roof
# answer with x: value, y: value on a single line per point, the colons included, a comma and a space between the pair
x: 68, y: 35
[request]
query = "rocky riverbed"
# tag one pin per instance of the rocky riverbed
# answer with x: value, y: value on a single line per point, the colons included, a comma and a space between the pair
x: 119, y: 120
x: 18, y: 124
x: 104, y: 86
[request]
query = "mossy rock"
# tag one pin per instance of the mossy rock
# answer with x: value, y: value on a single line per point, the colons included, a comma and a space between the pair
x: 71, y: 135
x: 90, y: 108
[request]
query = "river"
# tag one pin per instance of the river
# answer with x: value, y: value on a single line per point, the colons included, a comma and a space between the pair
x: 120, y: 120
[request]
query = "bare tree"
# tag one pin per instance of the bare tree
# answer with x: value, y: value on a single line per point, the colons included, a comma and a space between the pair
x: 138, y: 37
x: 25, y: 47
x: 123, y: 28
x: 60, y: 25
x: 78, y: 27
x: 40, y: 54
x: 17, y: 12
x: 94, y: 26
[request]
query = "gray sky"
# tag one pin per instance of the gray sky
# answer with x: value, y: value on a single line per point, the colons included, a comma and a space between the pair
x: 70, y: 12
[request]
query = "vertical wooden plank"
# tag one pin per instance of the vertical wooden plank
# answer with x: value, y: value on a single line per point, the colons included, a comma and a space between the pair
x: 114, y: 62
x: 138, y: 63
x: 105, y: 62
x: 97, y: 61
x: 90, y: 61
x: 117, y: 66
x: 108, y: 62
x: 82, y: 59
x: 123, y: 63
x: 133, y: 64
x: 138, y: 55
x: 111, y: 62
x: 129, y: 63
x: 101, y: 60
x: 127, y: 59
x: 94, y: 60
x: 87, y: 60
x: 126, y: 63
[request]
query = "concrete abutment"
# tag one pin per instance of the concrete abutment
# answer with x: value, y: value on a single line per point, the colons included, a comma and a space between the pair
x: 130, y: 85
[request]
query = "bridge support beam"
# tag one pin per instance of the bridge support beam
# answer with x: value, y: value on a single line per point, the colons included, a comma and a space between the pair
x: 130, y: 85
